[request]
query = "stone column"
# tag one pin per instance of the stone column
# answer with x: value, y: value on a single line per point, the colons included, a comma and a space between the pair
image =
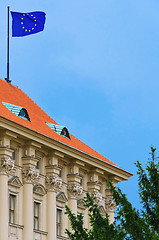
x: 6, y: 168
x: 86, y: 218
x: 54, y: 184
x: 30, y: 176
x: 72, y: 203
x: 110, y: 206
x: 94, y: 191
x: 74, y: 192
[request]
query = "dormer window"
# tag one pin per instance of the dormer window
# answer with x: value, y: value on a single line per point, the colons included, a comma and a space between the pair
x: 24, y: 114
x: 65, y: 132
x: 59, y: 129
x: 17, y: 110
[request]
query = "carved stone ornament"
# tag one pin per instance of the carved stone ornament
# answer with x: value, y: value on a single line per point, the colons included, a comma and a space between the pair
x: 74, y: 189
x: 15, y: 182
x: 30, y: 174
x: 53, y: 182
x: 81, y: 203
x: 6, y: 165
x: 97, y: 196
x: 61, y: 197
x: 39, y: 189
x: 110, y: 204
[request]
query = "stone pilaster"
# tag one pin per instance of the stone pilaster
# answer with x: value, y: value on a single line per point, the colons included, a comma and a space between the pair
x: 6, y: 168
x: 75, y: 191
x: 53, y: 185
x: 110, y: 204
x: 93, y: 188
x: 110, y: 207
x: 30, y: 176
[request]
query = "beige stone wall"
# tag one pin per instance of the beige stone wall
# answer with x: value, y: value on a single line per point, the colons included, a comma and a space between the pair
x: 34, y: 170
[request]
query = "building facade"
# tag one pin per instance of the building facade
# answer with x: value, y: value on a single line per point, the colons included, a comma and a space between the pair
x: 43, y: 168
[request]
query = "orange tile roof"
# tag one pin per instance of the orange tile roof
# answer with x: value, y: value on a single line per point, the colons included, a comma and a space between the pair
x: 14, y: 95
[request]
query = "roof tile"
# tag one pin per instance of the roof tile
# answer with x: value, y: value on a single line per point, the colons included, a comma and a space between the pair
x: 38, y: 118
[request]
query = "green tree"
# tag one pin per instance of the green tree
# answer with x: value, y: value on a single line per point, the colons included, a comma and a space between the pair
x: 129, y: 222
x: 101, y: 228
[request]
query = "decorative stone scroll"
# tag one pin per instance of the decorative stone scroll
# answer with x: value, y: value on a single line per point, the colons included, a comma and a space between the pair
x: 110, y: 204
x: 74, y: 189
x: 53, y: 182
x: 97, y: 196
x: 30, y: 175
x: 6, y: 165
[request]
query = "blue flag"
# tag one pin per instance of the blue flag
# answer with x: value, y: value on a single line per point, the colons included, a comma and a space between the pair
x: 24, y: 24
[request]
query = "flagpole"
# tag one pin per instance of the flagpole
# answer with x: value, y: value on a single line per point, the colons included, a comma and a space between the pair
x: 7, y: 78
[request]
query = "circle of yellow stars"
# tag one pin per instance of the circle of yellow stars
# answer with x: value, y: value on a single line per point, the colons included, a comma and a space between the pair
x: 22, y: 23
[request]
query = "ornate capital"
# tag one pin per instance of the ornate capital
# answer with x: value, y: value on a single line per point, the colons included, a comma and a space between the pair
x: 110, y: 204
x: 53, y: 183
x: 97, y: 196
x: 6, y: 165
x: 30, y: 174
x: 74, y: 189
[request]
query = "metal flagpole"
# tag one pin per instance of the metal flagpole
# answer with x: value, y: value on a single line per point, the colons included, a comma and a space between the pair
x: 7, y: 78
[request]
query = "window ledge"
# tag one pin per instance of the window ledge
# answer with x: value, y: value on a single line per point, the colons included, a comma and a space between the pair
x: 61, y: 237
x: 16, y: 225
x: 40, y: 231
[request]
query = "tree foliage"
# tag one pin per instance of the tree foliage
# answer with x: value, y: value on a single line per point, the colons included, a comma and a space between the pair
x: 101, y: 228
x: 129, y: 224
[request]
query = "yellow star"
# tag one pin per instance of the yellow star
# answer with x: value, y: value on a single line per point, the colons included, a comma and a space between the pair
x: 34, y: 20
x: 35, y: 25
x: 34, y: 17
x: 22, y: 18
x: 23, y: 14
x: 31, y: 15
x: 26, y: 30
x: 29, y: 30
x: 32, y: 28
x: 23, y: 27
x: 21, y: 22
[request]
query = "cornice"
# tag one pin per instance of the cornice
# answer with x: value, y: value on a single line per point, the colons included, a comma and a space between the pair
x: 110, y: 169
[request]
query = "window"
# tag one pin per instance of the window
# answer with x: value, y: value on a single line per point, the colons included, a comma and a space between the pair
x: 60, y: 173
x: 24, y: 114
x: 13, y: 155
x: 12, y: 208
x: 65, y: 132
x: 58, y: 222
x: 37, y: 165
x: 36, y: 215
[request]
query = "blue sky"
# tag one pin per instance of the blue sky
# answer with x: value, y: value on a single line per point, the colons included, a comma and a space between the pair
x: 95, y: 69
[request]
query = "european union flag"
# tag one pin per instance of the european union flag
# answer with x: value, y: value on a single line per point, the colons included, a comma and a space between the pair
x: 24, y: 24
